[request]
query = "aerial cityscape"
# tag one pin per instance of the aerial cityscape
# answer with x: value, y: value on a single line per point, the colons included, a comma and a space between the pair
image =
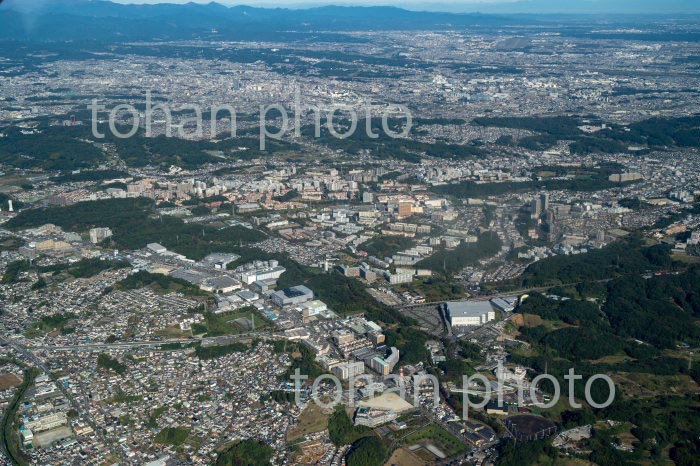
x: 349, y: 235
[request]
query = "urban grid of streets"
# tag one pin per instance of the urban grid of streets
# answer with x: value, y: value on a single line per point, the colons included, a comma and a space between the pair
x: 338, y: 203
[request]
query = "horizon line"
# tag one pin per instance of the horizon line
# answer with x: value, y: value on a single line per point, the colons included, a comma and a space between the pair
x: 428, y: 6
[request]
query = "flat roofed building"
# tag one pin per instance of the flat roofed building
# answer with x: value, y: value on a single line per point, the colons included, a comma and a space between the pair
x: 27, y: 436
x: 248, y: 295
x: 349, y: 369
x: 157, y: 248
x: 220, y: 284
x: 265, y: 285
x: 291, y: 296
x: 504, y: 304
x: 393, y: 358
x: 192, y: 276
x: 377, y: 338
x: 266, y: 273
x: 313, y: 308
x: 380, y: 365
x: 219, y: 261
x: 399, y: 278
x: 384, y: 366
x: 343, y: 337
x: 297, y: 334
x: 470, y: 313
x: 98, y: 235
x: 371, y: 417
x: 47, y: 422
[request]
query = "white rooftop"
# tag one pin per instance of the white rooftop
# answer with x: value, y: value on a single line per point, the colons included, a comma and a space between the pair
x: 468, y: 308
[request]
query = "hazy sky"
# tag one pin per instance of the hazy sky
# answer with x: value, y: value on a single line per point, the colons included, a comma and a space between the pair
x: 486, y: 6
x: 310, y: 2
x: 430, y: 5
x: 399, y: 3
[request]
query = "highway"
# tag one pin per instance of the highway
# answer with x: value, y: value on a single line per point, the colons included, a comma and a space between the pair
x: 505, y: 294
x: 212, y: 341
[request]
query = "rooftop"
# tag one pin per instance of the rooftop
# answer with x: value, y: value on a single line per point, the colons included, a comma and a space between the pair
x: 468, y: 308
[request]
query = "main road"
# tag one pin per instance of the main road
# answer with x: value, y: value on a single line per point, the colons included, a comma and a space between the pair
x: 209, y: 341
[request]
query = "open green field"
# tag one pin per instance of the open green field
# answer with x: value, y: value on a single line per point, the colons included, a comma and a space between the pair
x: 311, y: 420
x: 435, y: 434
x: 215, y: 325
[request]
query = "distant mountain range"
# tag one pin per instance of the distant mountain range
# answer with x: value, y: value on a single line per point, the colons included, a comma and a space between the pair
x: 560, y: 6
x: 104, y: 20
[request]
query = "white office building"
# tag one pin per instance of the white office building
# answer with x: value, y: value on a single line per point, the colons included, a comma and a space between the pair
x: 251, y: 276
x: 348, y: 370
